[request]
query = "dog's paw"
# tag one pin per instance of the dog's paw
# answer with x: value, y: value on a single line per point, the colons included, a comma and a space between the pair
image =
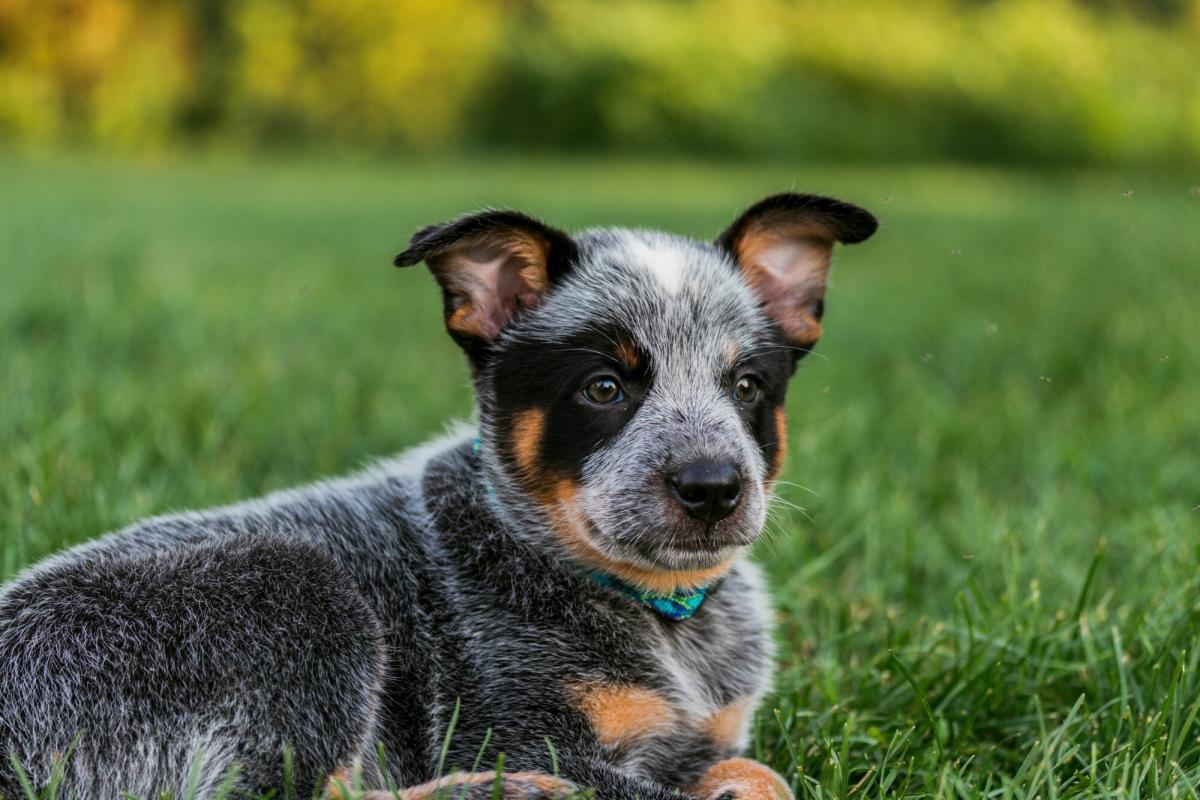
x: 485, y: 786
x: 741, y: 779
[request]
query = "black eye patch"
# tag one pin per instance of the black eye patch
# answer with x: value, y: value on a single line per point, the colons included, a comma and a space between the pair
x: 771, y: 359
x: 771, y: 364
x: 552, y: 378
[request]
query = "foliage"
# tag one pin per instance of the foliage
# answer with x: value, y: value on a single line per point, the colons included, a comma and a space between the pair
x: 992, y: 588
x: 1026, y: 80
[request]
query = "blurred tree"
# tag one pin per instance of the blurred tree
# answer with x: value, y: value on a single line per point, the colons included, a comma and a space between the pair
x: 379, y: 71
x: 91, y: 69
x: 213, y: 48
x: 1011, y: 80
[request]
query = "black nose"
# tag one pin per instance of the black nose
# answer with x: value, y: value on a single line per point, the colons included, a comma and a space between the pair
x: 707, y: 490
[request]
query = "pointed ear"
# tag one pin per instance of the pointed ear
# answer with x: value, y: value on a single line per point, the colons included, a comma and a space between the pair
x: 783, y: 245
x: 491, y: 266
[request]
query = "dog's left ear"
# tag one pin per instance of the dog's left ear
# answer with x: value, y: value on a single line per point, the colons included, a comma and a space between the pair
x: 783, y: 245
x: 491, y: 266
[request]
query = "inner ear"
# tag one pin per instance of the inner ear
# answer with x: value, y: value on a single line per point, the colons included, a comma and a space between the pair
x: 783, y: 245
x: 491, y: 267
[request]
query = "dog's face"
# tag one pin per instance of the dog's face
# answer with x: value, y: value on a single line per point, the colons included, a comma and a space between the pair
x: 632, y: 383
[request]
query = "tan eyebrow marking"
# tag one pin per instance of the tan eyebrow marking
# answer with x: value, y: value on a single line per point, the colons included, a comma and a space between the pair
x: 627, y: 353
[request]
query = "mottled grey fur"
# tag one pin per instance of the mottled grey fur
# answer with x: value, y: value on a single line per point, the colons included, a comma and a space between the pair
x: 359, y: 611
x: 685, y: 304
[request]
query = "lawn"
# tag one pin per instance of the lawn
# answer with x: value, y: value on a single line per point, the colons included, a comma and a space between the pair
x: 990, y: 586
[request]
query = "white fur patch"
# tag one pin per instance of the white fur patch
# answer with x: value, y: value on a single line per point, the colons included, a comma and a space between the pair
x: 666, y: 263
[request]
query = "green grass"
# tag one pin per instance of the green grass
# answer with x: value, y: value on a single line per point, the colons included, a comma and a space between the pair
x: 993, y: 588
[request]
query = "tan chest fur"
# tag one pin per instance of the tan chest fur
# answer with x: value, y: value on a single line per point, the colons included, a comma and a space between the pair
x: 706, y: 691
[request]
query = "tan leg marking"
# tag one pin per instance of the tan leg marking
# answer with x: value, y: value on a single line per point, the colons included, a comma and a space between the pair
x: 335, y: 787
x: 742, y: 778
x: 623, y: 714
x: 726, y: 726
x: 513, y: 786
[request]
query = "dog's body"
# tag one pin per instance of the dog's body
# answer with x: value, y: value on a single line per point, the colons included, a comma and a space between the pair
x: 424, y: 600
x: 630, y: 388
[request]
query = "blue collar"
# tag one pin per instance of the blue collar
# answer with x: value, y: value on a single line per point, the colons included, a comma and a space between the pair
x: 678, y: 605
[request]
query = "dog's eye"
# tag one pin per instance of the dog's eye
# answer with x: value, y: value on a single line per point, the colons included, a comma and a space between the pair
x: 603, y: 391
x: 746, y: 389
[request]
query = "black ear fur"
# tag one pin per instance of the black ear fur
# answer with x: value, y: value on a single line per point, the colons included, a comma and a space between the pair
x: 492, y: 266
x: 435, y: 238
x: 845, y: 222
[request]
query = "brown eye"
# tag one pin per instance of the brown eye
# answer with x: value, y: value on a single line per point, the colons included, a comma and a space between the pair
x: 746, y: 390
x: 603, y: 391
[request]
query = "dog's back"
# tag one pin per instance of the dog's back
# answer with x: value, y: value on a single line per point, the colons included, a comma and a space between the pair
x: 195, y: 635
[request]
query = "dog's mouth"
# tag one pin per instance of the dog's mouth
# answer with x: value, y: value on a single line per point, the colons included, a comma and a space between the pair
x: 651, y: 544
x: 670, y: 543
x: 691, y: 549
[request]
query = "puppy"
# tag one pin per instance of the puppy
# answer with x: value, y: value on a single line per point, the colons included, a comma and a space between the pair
x: 564, y: 585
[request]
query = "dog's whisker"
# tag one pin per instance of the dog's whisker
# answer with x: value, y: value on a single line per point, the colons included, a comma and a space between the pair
x: 813, y: 492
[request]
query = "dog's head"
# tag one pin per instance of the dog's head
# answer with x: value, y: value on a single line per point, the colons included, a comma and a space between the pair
x: 631, y: 383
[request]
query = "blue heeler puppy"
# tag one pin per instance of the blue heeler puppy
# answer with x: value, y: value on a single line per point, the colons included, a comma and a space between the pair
x: 571, y: 572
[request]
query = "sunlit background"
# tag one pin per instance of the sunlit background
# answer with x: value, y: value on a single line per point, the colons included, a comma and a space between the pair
x: 985, y: 553
x: 1001, y: 81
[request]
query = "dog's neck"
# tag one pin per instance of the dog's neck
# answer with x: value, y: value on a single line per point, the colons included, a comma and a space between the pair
x: 672, y: 603
x: 678, y: 605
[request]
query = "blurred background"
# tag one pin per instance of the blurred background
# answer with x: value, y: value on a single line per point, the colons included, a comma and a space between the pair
x: 986, y: 549
x: 1001, y: 81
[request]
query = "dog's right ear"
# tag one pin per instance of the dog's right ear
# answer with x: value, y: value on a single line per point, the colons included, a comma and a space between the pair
x: 491, y: 266
x: 783, y: 245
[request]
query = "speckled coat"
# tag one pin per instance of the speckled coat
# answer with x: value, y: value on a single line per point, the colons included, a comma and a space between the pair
x: 356, y: 614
